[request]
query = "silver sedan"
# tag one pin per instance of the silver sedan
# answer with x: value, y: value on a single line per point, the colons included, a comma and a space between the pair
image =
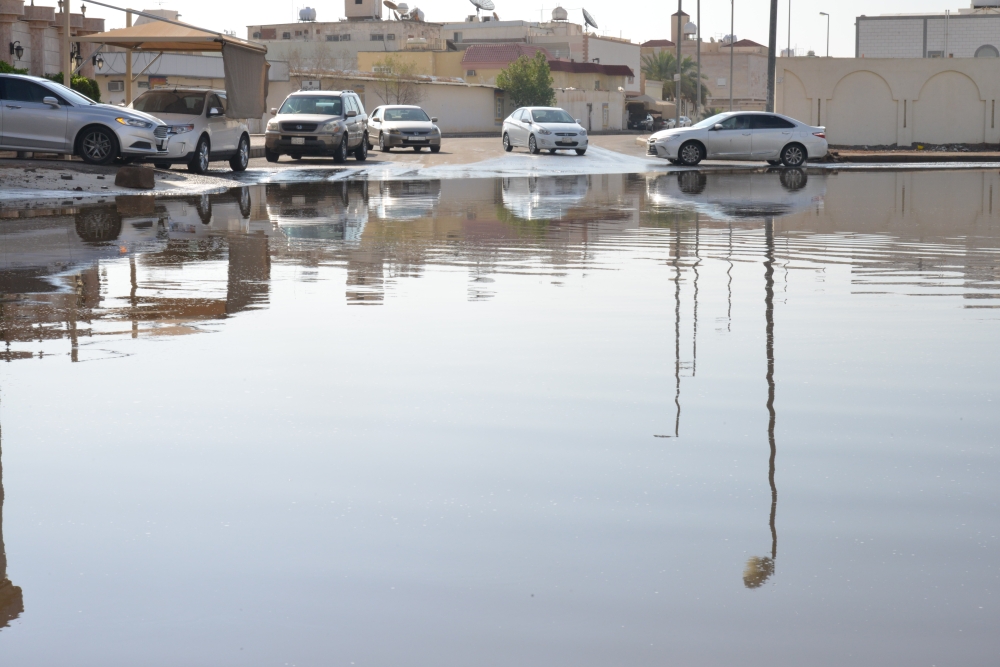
x: 40, y: 116
x: 543, y: 128
x: 404, y: 126
x: 741, y: 135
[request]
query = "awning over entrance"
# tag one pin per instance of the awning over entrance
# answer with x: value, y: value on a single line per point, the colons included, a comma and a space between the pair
x: 244, y: 62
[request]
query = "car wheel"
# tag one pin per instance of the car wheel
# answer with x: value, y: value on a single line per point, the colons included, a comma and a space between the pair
x: 793, y: 155
x: 199, y: 161
x: 532, y: 145
x: 581, y: 151
x: 507, y: 146
x: 690, y: 154
x: 295, y: 156
x: 382, y: 146
x: 162, y: 165
x: 240, y: 161
x: 98, y: 145
x: 774, y: 163
x: 417, y: 149
x: 270, y: 155
x: 435, y: 149
x: 340, y: 156
x: 673, y: 161
x: 361, y: 152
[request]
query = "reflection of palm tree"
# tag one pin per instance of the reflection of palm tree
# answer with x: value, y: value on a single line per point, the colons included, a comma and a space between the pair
x: 11, y: 599
x: 758, y: 569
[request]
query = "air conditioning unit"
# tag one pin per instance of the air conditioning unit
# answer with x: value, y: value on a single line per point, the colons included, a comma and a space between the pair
x: 116, y: 86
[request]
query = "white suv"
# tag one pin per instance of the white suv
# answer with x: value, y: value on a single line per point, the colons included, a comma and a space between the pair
x: 199, y: 129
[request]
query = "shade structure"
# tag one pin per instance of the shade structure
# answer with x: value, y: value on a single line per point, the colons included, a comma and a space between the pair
x: 244, y: 62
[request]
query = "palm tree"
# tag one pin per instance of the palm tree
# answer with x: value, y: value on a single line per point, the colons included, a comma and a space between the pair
x: 663, y: 65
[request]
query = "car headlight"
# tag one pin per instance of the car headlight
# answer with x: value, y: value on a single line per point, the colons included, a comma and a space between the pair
x: 436, y: 130
x: 583, y: 132
x: 134, y: 122
x: 394, y: 131
x: 272, y: 125
x: 180, y: 129
x: 332, y: 126
x: 542, y: 130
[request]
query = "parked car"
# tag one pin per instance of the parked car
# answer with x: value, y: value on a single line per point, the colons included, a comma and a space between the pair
x: 547, y: 128
x: 403, y: 125
x: 746, y: 135
x: 685, y: 122
x: 318, y: 122
x: 198, y: 127
x: 41, y: 116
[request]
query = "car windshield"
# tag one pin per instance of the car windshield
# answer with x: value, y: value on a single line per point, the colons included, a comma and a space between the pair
x: 170, y: 101
x: 711, y: 121
x: 551, y: 116
x: 406, y: 114
x: 312, y: 104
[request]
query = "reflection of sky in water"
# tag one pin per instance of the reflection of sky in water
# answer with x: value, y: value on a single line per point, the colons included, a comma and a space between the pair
x: 470, y: 468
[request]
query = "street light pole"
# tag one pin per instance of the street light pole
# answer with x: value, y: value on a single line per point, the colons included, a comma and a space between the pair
x: 789, y: 28
x: 772, y: 52
x: 697, y: 102
x: 732, y: 38
x: 677, y: 74
x: 827, y: 32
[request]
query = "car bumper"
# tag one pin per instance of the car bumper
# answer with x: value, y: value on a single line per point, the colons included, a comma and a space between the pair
x: 663, y: 150
x: 306, y: 144
x: 142, y: 143
x: 565, y: 143
x: 394, y: 140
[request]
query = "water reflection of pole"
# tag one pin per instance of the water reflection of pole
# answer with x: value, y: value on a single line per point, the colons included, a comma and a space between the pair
x: 697, y: 261
x: 11, y: 598
x: 759, y: 569
x: 677, y: 329
x: 132, y: 298
x: 729, y: 286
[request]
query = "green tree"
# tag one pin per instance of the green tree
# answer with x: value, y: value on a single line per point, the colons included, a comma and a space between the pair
x: 8, y: 69
x: 528, y: 81
x: 81, y: 84
x: 663, y: 65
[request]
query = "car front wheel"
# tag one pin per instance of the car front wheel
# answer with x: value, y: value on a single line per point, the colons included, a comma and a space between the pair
x: 532, y: 145
x: 340, y: 156
x: 270, y: 155
x: 507, y: 146
x: 199, y: 161
x: 690, y: 154
x: 382, y: 146
x: 361, y: 152
x: 240, y: 161
x: 98, y: 145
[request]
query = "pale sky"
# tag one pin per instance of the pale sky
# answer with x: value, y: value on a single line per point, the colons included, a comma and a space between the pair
x: 645, y: 19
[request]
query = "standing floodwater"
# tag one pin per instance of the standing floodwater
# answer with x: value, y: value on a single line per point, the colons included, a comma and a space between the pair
x: 696, y: 418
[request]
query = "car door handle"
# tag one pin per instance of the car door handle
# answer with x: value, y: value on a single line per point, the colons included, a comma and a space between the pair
x: 11, y: 106
x: 746, y: 134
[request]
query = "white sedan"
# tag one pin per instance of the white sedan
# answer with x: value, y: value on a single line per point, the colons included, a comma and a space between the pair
x: 741, y: 135
x: 543, y: 128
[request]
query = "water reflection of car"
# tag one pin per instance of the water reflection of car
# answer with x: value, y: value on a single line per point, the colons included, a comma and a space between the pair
x: 405, y: 200
x: 545, y: 198
x: 319, y: 211
x: 726, y: 196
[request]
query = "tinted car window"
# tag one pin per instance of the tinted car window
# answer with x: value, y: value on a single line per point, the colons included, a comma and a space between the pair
x: 551, y: 116
x: 361, y: 107
x: 736, y: 123
x: 19, y: 90
x: 406, y: 114
x: 165, y: 101
x: 318, y: 104
x: 214, y: 102
x: 769, y: 123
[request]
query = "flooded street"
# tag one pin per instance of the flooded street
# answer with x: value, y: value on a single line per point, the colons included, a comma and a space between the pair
x: 699, y: 418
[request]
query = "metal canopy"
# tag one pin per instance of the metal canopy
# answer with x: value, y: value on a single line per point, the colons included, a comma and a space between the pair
x: 166, y: 37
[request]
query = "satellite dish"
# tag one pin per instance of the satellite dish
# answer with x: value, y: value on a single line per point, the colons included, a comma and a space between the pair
x: 495, y: 17
x: 390, y: 4
x: 403, y: 9
x: 484, y: 5
x: 589, y: 20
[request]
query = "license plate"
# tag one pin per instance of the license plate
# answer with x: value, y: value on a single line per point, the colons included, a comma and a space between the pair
x: 418, y: 139
x: 564, y: 142
x: 298, y: 141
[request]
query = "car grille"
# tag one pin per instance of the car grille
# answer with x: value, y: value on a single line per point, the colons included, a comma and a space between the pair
x: 565, y: 134
x: 160, y: 132
x: 298, y: 127
x: 416, y: 133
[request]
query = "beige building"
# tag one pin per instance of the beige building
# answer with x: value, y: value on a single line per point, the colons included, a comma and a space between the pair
x: 900, y: 101
x: 36, y: 32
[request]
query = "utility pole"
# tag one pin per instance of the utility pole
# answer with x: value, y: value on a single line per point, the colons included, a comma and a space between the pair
x: 677, y: 74
x: 772, y: 51
x: 67, y: 64
x: 697, y: 103
x: 828, y: 33
x: 732, y: 38
x: 128, y: 63
x: 789, y: 28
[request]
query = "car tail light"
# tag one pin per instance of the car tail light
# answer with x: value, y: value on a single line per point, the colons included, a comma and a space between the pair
x: 821, y: 135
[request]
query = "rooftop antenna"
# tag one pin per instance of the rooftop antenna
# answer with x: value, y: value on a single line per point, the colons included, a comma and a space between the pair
x: 484, y: 5
x: 589, y: 20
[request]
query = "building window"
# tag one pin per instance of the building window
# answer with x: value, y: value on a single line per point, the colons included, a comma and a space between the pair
x: 631, y: 79
x: 470, y: 72
x: 597, y: 85
x: 720, y: 83
x: 333, y: 38
x: 256, y: 35
x: 286, y: 35
x: 935, y: 54
x: 379, y: 69
x: 378, y: 38
x: 116, y: 86
x: 987, y: 51
x: 391, y: 37
x: 357, y: 2
x: 458, y: 37
x: 345, y: 38
x: 298, y: 33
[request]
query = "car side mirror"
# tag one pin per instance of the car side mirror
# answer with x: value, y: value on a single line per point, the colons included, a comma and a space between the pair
x: 352, y: 113
x: 214, y: 112
x: 434, y: 119
x: 51, y: 101
x: 718, y: 126
x: 274, y: 111
x: 578, y: 121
